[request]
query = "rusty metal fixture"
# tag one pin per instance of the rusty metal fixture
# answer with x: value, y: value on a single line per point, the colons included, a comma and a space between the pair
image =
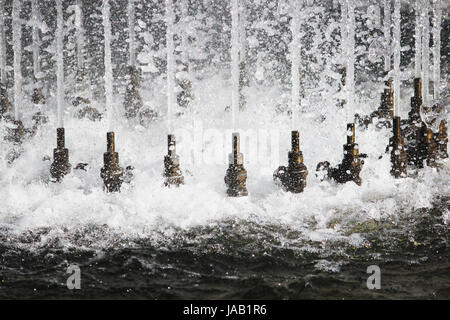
x: 5, y: 105
x: 111, y: 173
x: 133, y: 99
x: 399, y: 158
x: 172, y: 171
x: 430, y: 148
x: 351, y: 165
x: 236, y: 176
x: 442, y: 140
x: 293, y: 177
x: 422, y: 144
x: 60, y: 166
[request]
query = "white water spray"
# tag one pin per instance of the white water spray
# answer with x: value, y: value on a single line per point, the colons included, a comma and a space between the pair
x: 397, y: 51
x: 2, y: 43
x: 17, y: 48
x: 295, y: 62
x: 418, y: 40
x: 170, y: 62
x: 437, y: 13
x: 131, y: 33
x: 59, y: 62
x: 108, y: 64
x: 387, y: 34
x: 234, y: 61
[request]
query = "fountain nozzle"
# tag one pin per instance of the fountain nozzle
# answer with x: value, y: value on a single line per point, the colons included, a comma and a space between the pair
x: 399, y: 157
x: 111, y: 173
x: 60, y: 166
x: 172, y: 170
x: 351, y: 166
x: 293, y: 177
x: 236, y: 175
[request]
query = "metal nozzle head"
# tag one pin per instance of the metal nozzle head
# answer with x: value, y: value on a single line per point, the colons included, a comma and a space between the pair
x: 418, y: 87
x: 60, y: 138
x: 171, y: 143
x: 295, y: 140
x: 396, y: 126
x: 110, y: 145
x: 236, y: 144
x: 350, y: 133
x: 389, y: 83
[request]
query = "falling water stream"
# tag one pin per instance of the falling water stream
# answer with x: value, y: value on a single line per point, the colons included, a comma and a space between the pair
x: 2, y: 44
x: 170, y: 63
x: 60, y: 63
x: 295, y: 62
x: 235, y: 97
x: 110, y: 103
x: 397, y: 52
x: 17, y: 48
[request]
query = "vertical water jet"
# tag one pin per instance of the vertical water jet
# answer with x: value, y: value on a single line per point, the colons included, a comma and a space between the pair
x: 5, y: 105
x: 396, y: 142
x: 425, y: 52
x: 60, y: 166
x: 351, y: 165
x: 236, y: 175
x: 111, y: 172
x: 185, y: 94
x: 385, y: 111
x: 244, y: 80
x: 172, y: 170
x: 38, y: 97
x: 133, y: 99
x: 293, y: 177
x: 441, y: 136
x: 17, y: 132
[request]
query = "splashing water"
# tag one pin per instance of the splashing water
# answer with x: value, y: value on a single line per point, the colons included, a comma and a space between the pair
x: 193, y: 242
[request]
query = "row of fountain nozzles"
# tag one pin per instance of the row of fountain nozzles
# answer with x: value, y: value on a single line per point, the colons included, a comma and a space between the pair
x: 111, y: 172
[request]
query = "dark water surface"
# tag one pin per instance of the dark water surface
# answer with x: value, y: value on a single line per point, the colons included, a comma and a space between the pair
x: 232, y: 260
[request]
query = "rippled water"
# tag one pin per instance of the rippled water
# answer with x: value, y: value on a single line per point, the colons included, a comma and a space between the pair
x: 233, y: 259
